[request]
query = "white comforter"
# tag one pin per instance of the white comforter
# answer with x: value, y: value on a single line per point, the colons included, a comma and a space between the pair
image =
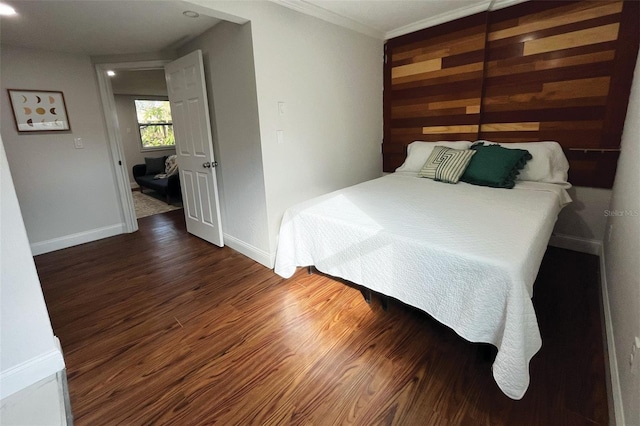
x: 467, y: 255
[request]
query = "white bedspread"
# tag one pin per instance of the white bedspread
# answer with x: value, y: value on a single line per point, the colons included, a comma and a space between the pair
x: 467, y: 255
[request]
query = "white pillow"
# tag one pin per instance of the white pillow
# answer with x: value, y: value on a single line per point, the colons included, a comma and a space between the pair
x: 548, y: 164
x: 418, y: 152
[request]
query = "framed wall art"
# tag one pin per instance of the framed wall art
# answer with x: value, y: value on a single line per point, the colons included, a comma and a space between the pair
x: 39, y: 110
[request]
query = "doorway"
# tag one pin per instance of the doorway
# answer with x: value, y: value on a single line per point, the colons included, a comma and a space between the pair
x: 186, y: 91
x: 118, y: 93
x: 148, y: 141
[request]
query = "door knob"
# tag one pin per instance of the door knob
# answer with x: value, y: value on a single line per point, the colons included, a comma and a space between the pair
x: 207, y: 165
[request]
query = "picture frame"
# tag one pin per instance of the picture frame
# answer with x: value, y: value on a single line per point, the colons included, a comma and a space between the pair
x: 39, y: 110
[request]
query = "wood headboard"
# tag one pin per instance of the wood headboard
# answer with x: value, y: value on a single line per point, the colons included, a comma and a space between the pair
x: 552, y: 70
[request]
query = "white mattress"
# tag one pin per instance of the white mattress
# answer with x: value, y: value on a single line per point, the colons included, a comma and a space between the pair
x: 467, y: 255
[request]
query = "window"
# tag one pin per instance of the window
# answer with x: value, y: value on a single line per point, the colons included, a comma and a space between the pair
x: 154, y: 122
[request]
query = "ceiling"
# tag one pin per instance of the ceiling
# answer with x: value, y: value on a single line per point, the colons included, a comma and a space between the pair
x: 110, y: 27
x: 101, y: 27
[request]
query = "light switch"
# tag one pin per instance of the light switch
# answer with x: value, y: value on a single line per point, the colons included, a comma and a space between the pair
x: 281, y: 109
x: 280, y: 134
x: 77, y: 142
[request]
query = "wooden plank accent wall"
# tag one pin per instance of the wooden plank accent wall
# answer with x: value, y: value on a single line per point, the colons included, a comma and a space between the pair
x: 551, y: 70
x: 433, y: 86
x: 553, y: 67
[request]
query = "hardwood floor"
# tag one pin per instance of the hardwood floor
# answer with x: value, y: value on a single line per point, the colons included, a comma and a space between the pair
x: 159, y: 327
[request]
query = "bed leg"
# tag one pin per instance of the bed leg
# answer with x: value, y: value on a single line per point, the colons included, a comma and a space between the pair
x: 366, y: 293
x: 384, y: 301
x: 310, y: 269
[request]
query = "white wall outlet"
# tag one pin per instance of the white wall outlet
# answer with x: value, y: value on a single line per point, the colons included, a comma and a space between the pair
x: 77, y: 142
x: 280, y: 136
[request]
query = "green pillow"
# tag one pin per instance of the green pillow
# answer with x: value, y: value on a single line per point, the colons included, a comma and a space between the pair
x: 495, y: 166
x: 446, y: 164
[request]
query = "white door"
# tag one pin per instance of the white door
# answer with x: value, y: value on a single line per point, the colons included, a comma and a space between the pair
x: 194, y: 147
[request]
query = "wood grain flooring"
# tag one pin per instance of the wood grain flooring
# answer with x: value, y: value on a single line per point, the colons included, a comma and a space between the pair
x: 159, y: 327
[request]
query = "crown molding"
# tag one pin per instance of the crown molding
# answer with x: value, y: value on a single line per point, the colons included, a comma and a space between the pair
x: 451, y: 16
x: 328, y: 16
x: 306, y: 8
x: 432, y: 21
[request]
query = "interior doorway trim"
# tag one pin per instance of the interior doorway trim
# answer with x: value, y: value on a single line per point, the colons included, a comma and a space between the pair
x: 118, y: 162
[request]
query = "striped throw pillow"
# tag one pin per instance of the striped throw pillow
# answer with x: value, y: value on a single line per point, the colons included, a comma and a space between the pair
x: 446, y: 164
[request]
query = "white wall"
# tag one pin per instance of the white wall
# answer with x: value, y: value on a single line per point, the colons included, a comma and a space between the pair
x: 139, y: 82
x: 330, y: 79
x: 130, y: 135
x: 331, y: 82
x: 40, y: 404
x: 622, y: 257
x: 584, y: 218
x: 67, y: 195
x: 29, y: 352
x: 229, y: 72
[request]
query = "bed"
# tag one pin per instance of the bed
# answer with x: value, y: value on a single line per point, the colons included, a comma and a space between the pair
x: 467, y: 255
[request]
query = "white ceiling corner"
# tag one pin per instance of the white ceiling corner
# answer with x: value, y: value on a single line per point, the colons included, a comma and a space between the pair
x: 328, y: 15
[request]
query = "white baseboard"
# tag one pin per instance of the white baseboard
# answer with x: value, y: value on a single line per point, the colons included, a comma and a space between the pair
x: 569, y: 242
x: 134, y: 185
x: 616, y: 417
x: 76, y: 239
x: 250, y: 251
x: 29, y: 372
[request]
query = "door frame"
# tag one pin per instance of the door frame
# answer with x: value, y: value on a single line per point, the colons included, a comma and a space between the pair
x: 118, y: 161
